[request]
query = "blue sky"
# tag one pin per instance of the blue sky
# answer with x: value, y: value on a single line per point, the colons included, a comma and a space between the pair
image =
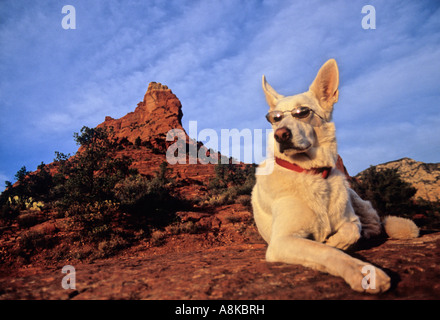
x: 212, y: 55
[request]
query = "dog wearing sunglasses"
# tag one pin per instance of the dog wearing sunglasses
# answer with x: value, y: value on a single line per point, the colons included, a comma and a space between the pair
x: 303, y: 207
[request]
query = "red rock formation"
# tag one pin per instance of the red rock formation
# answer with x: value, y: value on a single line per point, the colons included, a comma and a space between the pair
x: 159, y: 112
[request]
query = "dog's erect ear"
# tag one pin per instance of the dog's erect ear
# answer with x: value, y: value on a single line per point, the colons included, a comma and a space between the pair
x: 272, y: 97
x: 325, y: 85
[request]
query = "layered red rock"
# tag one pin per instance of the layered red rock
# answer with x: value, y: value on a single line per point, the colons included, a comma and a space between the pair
x: 159, y: 112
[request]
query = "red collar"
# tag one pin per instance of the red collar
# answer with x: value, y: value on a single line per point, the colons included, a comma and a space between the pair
x: 325, y: 171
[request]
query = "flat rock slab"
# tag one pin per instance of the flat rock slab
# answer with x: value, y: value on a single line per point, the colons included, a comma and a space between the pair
x: 231, y: 272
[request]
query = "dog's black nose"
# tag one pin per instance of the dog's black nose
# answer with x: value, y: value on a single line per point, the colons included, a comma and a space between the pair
x: 283, y: 135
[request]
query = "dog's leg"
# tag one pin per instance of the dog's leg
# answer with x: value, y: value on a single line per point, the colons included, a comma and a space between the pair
x: 295, y: 250
x: 348, y: 234
x: 291, y: 221
x: 371, y: 225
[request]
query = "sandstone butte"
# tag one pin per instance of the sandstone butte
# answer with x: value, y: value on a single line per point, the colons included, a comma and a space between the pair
x: 159, y: 112
x: 224, y: 261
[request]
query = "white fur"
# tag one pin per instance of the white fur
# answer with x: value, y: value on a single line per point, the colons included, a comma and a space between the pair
x: 400, y: 228
x: 304, y: 218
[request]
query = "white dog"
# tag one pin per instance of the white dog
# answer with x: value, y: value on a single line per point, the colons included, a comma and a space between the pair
x: 304, y: 209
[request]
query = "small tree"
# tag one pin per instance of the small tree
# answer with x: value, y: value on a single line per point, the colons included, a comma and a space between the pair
x: 21, y: 174
x: 92, y: 173
x: 40, y: 183
x: 162, y: 174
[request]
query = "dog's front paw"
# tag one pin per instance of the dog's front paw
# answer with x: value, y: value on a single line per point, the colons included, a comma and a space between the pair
x: 363, y: 277
x: 347, y: 235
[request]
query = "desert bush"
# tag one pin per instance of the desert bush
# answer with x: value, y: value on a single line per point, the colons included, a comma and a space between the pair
x: 188, y: 227
x: 30, y: 241
x: 388, y: 193
x: 137, y: 191
x: 111, y: 246
x: 92, y: 220
x: 149, y: 201
x: 28, y: 219
x: 428, y: 214
x: 131, y: 190
x: 28, y: 193
x: 158, y: 237
x: 25, y: 203
x: 8, y: 212
x: 233, y: 218
x: 230, y: 183
x: 245, y: 200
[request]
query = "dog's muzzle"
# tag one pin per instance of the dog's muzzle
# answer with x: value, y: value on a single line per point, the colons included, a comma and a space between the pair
x: 283, y: 136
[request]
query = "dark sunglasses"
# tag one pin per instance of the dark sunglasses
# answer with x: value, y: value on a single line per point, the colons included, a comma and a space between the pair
x: 304, y: 114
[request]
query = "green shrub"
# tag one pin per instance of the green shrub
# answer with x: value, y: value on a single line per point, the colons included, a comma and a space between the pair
x: 135, y: 192
x: 92, y: 220
x: 111, y: 246
x: 230, y: 184
x: 131, y: 190
x: 149, y: 201
x: 188, y: 227
x: 388, y: 193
